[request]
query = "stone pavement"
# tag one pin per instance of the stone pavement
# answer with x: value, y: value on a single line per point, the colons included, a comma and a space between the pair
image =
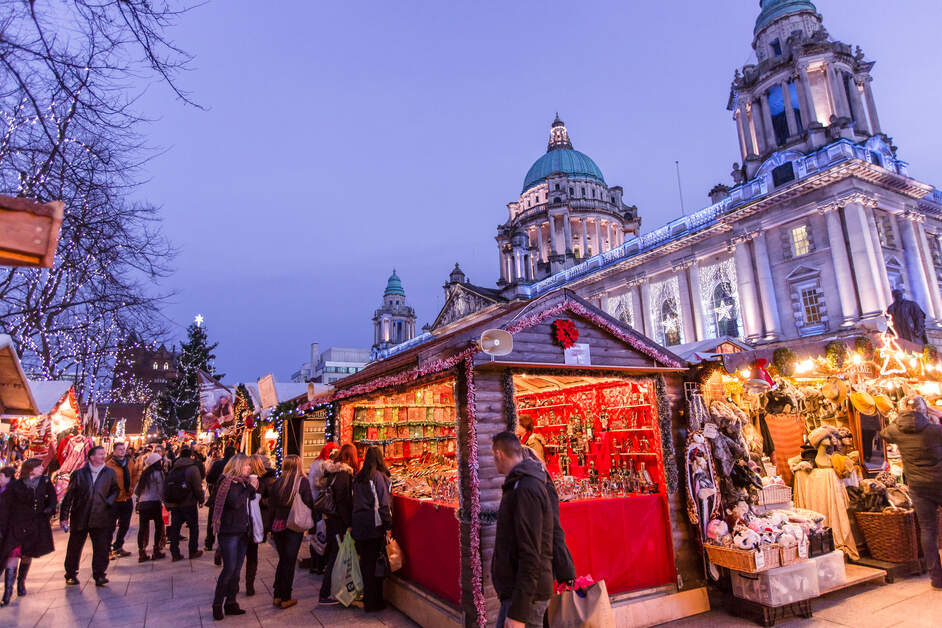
x: 907, y: 603
x: 169, y: 594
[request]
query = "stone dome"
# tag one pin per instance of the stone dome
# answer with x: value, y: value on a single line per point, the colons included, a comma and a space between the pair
x: 394, y: 285
x: 566, y: 160
x: 774, y: 9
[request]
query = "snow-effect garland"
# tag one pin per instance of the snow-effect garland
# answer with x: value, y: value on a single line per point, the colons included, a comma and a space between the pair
x: 640, y: 344
x: 477, y: 570
x: 671, y: 475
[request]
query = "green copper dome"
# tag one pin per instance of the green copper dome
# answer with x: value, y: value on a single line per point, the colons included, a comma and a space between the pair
x: 774, y: 9
x: 560, y: 157
x: 394, y: 285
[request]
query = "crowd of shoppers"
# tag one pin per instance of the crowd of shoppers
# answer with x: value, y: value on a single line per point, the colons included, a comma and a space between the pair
x: 248, y: 503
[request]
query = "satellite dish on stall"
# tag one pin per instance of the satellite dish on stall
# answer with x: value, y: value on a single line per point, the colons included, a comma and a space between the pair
x: 496, y: 342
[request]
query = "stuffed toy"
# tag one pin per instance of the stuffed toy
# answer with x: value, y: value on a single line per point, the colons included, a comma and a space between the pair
x: 745, y: 538
x: 717, y: 531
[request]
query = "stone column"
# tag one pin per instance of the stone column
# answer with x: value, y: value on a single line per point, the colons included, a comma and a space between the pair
x: 686, y: 304
x: 793, y: 129
x: 915, y: 270
x: 544, y: 249
x: 841, y: 262
x: 742, y: 136
x: 770, y: 314
x: 840, y: 96
x: 771, y: 142
x: 755, y: 111
x: 806, y: 118
x: 585, y: 236
x: 808, y: 98
x: 567, y: 231
x: 597, y: 244
x: 746, y: 125
x: 646, y: 309
x: 869, y: 291
x: 882, y: 277
x: 871, y: 108
x: 503, y: 264
x: 696, y: 300
x: 603, y: 226
x: 931, y: 276
x: 749, y: 304
x: 856, y: 106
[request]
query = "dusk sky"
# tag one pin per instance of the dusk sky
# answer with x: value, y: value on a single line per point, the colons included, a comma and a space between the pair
x: 341, y: 140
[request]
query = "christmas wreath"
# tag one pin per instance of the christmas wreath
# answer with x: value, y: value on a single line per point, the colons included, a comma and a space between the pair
x: 565, y: 332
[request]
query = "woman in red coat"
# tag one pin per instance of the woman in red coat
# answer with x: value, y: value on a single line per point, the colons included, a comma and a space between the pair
x: 25, y: 510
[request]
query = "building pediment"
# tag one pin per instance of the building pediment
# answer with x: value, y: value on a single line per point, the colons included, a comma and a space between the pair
x: 462, y: 301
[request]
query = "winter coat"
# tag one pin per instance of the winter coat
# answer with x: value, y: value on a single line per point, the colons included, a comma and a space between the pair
x: 522, y: 566
x: 193, y: 480
x: 212, y: 478
x: 364, y: 519
x: 24, y: 518
x: 280, y: 508
x: 86, y: 505
x: 235, y: 512
x: 564, y: 569
x: 537, y: 443
x: 119, y: 471
x: 314, y: 475
x: 920, y: 446
x: 153, y: 490
x: 339, y: 476
x: 264, y: 488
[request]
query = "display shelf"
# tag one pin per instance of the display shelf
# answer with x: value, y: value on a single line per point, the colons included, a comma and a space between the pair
x: 630, y: 429
x: 640, y: 405
x: 556, y: 425
x: 403, y: 424
x: 401, y: 405
x: 417, y: 439
x: 555, y: 405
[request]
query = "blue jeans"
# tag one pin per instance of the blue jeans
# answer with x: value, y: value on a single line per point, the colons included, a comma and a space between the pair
x: 288, y: 544
x: 535, y: 620
x: 233, y: 548
x: 926, y: 501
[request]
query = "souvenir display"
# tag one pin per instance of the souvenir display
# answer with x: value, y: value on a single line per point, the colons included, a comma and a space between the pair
x: 599, y: 440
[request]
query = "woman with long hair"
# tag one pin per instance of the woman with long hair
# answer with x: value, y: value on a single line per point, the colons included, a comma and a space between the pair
x: 233, y: 527
x: 266, y: 477
x: 25, y: 524
x: 150, y: 491
x: 7, y: 475
x: 338, y: 479
x: 290, y: 486
x: 372, y: 518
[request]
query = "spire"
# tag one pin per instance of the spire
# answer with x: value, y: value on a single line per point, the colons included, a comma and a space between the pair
x: 457, y: 275
x: 559, y: 137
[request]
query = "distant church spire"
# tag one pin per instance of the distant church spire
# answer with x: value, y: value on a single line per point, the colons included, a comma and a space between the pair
x: 559, y: 137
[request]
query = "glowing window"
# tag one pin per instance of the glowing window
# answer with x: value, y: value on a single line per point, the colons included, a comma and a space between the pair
x: 811, y: 305
x: 801, y: 245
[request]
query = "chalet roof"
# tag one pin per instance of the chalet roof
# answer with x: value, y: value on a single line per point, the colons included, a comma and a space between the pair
x: 442, y: 349
x: 703, y: 350
x: 15, y: 395
x: 48, y: 394
x: 29, y: 231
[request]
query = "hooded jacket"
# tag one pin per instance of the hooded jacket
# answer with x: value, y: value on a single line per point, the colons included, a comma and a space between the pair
x: 522, y: 567
x: 364, y: 512
x: 339, y: 477
x: 193, y: 480
x: 920, y: 445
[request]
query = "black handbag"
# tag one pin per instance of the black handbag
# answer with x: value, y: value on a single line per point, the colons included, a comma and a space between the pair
x: 324, y: 504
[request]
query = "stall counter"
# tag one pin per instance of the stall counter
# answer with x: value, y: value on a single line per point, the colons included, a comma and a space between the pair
x: 428, y: 534
x: 624, y: 540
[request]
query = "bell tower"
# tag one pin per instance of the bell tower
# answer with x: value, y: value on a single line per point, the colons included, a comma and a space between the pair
x: 805, y: 89
x: 394, y: 321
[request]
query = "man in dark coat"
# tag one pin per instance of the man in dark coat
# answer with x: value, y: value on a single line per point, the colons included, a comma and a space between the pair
x: 522, y: 568
x: 212, y: 480
x: 87, y: 512
x: 185, y: 508
x: 909, y: 321
x: 920, y: 446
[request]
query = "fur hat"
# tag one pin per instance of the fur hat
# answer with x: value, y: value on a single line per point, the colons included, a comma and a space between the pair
x: 818, y: 435
x: 864, y: 403
x: 151, y: 459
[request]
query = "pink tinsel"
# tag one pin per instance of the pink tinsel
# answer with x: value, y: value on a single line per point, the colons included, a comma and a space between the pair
x: 477, y: 571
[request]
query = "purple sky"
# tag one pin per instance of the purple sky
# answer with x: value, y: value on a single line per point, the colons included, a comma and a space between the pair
x: 344, y: 139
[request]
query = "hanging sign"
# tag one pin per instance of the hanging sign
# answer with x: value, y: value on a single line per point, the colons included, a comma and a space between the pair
x: 578, y: 354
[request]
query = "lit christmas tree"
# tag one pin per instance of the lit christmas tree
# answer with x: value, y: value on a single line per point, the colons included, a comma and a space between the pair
x: 181, y: 406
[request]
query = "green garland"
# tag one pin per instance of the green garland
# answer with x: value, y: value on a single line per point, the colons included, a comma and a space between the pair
x: 864, y: 346
x: 783, y: 359
x: 510, y: 405
x: 671, y: 474
x: 835, y: 352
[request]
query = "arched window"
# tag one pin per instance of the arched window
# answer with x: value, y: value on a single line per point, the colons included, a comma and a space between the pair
x: 725, y: 315
x: 670, y: 322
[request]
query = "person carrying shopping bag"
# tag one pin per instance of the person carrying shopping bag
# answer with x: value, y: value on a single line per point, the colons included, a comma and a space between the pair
x: 372, y: 519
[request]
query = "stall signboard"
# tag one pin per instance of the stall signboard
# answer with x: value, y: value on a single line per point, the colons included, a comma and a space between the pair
x: 216, y: 407
x: 266, y: 391
x: 578, y: 354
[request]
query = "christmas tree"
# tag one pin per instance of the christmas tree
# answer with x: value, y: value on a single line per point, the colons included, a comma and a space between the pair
x: 181, y: 405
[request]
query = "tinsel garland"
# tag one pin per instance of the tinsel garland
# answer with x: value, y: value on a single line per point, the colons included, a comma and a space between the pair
x: 639, y: 343
x: 510, y: 404
x: 667, y: 435
x: 477, y: 569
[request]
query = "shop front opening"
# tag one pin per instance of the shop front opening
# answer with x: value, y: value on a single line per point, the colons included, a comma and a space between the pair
x: 600, y: 438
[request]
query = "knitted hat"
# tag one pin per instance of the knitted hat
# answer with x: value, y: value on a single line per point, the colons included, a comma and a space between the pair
x: 151, y: 459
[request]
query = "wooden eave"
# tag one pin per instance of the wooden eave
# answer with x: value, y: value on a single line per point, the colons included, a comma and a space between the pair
x: 29, y: 231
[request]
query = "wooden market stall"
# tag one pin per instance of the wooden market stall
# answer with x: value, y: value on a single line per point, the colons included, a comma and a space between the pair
x: 608, y: 409
x: 29, y: 231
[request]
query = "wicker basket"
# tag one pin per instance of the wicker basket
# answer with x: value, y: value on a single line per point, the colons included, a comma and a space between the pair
x: 890, y: 536
x: 745, y: 560
x: 774, y: 494
x: 789, y: 555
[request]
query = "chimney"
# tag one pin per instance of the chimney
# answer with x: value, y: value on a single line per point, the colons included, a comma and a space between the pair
x: 315, y: 352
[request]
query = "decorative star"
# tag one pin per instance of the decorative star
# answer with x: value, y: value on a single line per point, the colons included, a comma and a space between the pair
x: 199, y: 320
x: 724, y: 311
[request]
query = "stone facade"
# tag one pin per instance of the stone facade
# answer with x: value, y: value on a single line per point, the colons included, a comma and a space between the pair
x: 394, y: 321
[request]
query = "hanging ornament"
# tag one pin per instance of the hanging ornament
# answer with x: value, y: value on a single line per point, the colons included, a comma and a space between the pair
x: 565, y: 332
